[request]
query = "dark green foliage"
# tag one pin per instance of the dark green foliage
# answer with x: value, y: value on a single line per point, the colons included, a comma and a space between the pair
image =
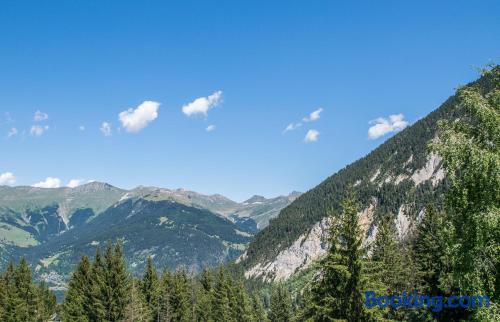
x: 100, y: 290
x: 431, y: 252
x: 176, y: 292
x: 241, y: 308
x: 137, y: 309
x: 116, y: 283
x: 470, y: 147
x: 23, y: 300
x: 432, y: 239
x: 281, y: 305
x: 221, y: 301
x: 204, y: 297
x: 387, y: 251
x: 337, y: 290
x: 78, y: 299
x: 150, y: 287
x: 258, y: 311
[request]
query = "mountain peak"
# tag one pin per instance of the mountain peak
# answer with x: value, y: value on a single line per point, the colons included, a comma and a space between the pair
x: 255, y: 198
x: 94, y: 186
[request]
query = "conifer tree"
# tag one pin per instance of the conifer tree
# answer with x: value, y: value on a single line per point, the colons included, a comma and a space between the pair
x: 150, y: 287
x: 205, y: 297
x: 432, y: 256
x: 180, y: 298
x: 12, y: 299
x: 221, y: 306
x: 77, y: 300
x: 337, y: 293
x: 258, y: 311
x: 97, y: 312
x: 281, y: 305
x: 206, y: 280
x: 388, y: 253
x: 46, y: 302
x: 26, y: 309
x: 430, y: 251
x: 137, y: 309
x: 116, y: 283
x: 391, y: 261
x: 165, y: 294
x: 21, y: 299
x: 242, y: 306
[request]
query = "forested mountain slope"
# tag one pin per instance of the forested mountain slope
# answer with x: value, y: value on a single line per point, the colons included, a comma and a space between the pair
x: 52, y: 228
x: 173, y: 234
x: 397, y: 179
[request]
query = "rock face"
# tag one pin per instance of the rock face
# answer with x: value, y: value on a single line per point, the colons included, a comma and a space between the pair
x: 307, y: 249
x: 301, y: 254
x: 311, y: 246
x: 431, y: 170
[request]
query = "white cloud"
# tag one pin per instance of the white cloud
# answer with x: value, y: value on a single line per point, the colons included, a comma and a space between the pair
x: 292, y: 126
x: 314, y: 116
x: 201, y: 105
x: 382, y: 126
x: 73, y: 183
x: 7, y: 178
x: 210, y: 128
x: 12, y: 132
x: 311, y: 136
x: 105, y: 129
x: 135, y: 120
x: 37, y: 130
x: 48, y: 183
x: 81, y: 128
x: 40, y: 116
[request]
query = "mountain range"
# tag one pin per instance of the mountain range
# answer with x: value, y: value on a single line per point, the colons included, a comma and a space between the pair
x: 52, y: 228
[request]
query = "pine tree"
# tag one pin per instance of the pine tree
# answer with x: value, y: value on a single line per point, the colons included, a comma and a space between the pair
x: 46, y: 302
x: 205, y: 297
x: 337, y: 293
x: 96, y: 308
x: 12, y: 300
x: 21, y: 299
x: 221, y: 306
x: 258, y: 311
x: 242, y: 306
x: 116, y: 283
x: 387, y: 251
x: 431, y: 253
x: 281, y: 305
x: 137, y: 310
x: 180, y: 297
x: 166, y: 313
x: 389, y: 258
x: 26, y: 310
x: 150, y: 287
x: 430, y: 245
x: 77, y: 300
x: 206, y: 280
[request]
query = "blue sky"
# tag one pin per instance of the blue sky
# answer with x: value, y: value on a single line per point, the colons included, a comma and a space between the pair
x: 258, y: 66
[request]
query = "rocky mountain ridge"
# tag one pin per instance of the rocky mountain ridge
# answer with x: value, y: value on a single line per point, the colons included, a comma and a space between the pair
x: 398, y: 179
